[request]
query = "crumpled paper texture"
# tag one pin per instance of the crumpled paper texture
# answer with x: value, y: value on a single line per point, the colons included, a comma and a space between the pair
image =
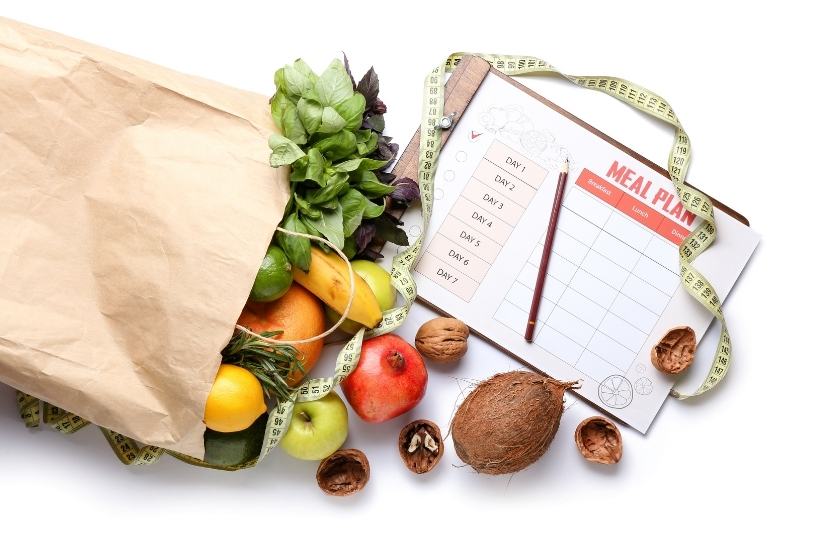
x: 136, y: 204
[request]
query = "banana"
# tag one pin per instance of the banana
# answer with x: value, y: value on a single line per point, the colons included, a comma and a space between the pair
x: 328, y: 280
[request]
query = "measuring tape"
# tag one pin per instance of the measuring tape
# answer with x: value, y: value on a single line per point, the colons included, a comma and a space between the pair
x: 129, y: 452
x: 693, y: 200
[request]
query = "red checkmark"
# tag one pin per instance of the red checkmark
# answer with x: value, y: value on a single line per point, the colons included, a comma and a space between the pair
x: 473, y: 135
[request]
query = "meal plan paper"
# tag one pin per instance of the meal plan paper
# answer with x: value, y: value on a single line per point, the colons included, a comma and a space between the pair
x: 613, y: 287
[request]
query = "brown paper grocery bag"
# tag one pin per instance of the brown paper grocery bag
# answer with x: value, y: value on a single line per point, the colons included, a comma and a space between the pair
x: 136, y: 204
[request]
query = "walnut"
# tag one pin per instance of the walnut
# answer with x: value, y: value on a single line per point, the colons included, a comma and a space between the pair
x: 599, y: 440
x: 421, y: 446
x: 675, y: 351
x: 443, y: 339
x: 343, y: 473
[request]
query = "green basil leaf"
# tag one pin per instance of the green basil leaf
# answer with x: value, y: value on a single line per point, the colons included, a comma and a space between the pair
x: 372, y: 210
x: 316, y: 166
x: 332, y: 121
x: 283, y: 151
x: 286, y: 118
x: 296, y: 248
x: 360, y: 164
x: 336, y: 185
x: 366, y: 142
x: 348, y: 165
x: 353, y: 207
x: 350, y: 247
x: 297, y: 83
x: 330, y: 224
x: 352, y: 110
x: 310, y: 114
x: 337, y: 146
x: 333, y: 86
x: 306, y: 208
x: 370, y: 185
x: 298, y: 170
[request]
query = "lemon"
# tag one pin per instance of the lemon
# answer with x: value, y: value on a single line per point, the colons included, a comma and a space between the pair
x: 235, y: 401
x: 273, y: 278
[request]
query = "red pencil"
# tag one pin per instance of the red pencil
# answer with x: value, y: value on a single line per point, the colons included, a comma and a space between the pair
x: 545, y: 254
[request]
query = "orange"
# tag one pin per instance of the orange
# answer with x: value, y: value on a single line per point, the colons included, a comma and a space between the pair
x: 299, y: 314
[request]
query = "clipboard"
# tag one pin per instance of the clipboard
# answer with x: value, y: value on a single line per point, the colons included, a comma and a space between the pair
x: 468, y: 78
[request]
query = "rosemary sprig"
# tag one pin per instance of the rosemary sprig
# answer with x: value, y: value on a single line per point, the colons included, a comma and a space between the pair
x: 272, y: 364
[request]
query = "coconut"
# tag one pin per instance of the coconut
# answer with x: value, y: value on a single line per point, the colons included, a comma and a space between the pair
x: 508, y: 421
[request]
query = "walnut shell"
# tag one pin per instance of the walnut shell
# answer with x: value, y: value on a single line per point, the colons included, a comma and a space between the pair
x: 675, y: 351
x: 421, y: 446
x: 343, y: 473
x: 443, y: 339
x: 599, y: 440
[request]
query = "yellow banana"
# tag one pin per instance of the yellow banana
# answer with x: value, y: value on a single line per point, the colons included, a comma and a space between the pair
x: 328, y: 280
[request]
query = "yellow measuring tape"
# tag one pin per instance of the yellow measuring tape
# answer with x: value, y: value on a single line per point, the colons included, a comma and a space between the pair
x: 129, y: 452
x: 693, y: 200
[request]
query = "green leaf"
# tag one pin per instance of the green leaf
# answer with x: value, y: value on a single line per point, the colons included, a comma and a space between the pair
x: 298, y: 170
x: 370, y: 185
x: 286, y: 118
x: 316, y: 166
x: 352, y: 110
x: 332, y: 122
x: 372, y: 210
x: 360, y: 164
x: 353, y: 206
x: 337, y: 146
x: 330, y: 224
x: 296, y: 248
x: 366, y: 142
x: 283, y: 151
x: 336, y: 184
x: 306, y: 208
x: 333, y: 86
x: 350, y: 247
x: 297, y: 83
x: 310, y: 114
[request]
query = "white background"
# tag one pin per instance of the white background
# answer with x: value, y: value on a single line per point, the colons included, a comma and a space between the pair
x: 736, y: 466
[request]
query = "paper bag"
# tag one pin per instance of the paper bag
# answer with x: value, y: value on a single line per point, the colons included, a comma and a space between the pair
x: 136, y: 204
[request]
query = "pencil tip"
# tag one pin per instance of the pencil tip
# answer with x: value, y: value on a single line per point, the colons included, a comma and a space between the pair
x: 565, y: 168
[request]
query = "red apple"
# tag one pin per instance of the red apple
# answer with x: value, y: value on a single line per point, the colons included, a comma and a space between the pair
x: 389, y: 381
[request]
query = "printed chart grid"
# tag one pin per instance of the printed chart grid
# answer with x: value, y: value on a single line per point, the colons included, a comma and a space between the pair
x: 610, y: 279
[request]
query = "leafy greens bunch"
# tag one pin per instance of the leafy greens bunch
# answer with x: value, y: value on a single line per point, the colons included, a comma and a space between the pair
x: 332, y: 137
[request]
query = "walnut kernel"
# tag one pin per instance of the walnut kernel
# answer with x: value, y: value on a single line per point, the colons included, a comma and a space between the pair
x: 421, y: 446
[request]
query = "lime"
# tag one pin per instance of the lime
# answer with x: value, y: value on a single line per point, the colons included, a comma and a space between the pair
x: 274, y: 276
x: 235, y: 448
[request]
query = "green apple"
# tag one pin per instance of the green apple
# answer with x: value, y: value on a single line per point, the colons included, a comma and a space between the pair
x: 379, y: 282
x: 317, y: 429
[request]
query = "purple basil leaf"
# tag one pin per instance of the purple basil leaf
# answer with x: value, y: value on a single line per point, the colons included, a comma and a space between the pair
x: 407, y: 190
x: 368, y: 86
x: 385, y: 177
x: 374, y: 122
x: 369, y: 254
x: 379, y: 108
x: 364, y: 234
x: 387, y: 229
x: 347, y: 68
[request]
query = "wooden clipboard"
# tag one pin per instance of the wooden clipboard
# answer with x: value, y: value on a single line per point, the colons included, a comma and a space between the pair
x: 459, y: 91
